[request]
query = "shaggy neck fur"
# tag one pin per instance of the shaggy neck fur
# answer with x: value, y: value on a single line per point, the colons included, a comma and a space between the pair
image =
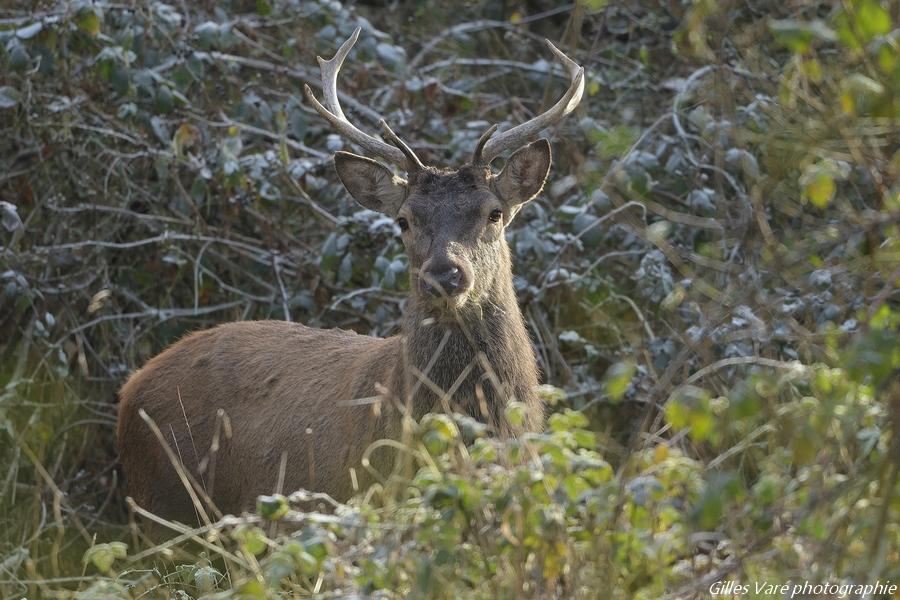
x: 484, y: 355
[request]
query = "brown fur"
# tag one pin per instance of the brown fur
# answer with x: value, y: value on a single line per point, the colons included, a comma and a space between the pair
x: 287, y: 388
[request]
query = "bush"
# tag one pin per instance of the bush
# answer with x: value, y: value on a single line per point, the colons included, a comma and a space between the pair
x: 710, y: 280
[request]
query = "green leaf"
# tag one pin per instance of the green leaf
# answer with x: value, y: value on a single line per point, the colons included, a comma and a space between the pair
x: 617, y: 378
x: 674, y: 298
x: 252, y: 539
x: 483, y: 451
x: 550, y: 394
x: 442, y: 425
x: 767, y: 489
x: 119, y: 549
x: 253, y: 589
x: 435, y: 443
x: 102, y: 556
x: 568, y: 420
x: 709, y: 511
x: 594, y: 5
x: 689, y: 408
x: 872, y: 19
x: 272, y: 507
x: 88, y: 21
x: 515, y: 413
x: 278, y: 567
x: 314, y: 542
x: 615, y: 141
x: 799, y: 35
x: 585, y: 438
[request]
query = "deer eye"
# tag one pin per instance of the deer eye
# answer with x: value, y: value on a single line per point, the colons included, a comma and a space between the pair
x: 403, y: 223
x: 496, y: 215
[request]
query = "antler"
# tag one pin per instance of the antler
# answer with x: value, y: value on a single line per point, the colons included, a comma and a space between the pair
x: 518, y: 135
x: 478, y: 155
x: 413, y: 162
x: 401, y: 155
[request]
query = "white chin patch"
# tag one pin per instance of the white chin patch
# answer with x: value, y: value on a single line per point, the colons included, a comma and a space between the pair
x: 451, y: 303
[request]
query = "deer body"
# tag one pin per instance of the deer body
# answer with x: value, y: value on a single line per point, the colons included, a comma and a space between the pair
x: 311, y: 401
x: 290, y: 388
x: 275, y: 381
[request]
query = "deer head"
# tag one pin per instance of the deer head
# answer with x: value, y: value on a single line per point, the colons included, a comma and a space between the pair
x: 452, y: 221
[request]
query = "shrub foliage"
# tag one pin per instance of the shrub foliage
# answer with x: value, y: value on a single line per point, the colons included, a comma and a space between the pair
x: 711, y: 281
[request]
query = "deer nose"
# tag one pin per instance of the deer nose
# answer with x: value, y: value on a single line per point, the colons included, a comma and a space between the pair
x: 444, y: 281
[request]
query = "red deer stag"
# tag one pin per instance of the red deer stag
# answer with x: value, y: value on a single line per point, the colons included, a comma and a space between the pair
x: 294, y: 391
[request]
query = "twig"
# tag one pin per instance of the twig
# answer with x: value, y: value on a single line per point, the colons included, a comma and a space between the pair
x: 276, y: 265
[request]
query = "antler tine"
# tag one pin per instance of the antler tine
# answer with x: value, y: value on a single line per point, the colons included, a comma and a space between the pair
x: 477, y: 156
x: 518, y: 135
x: 413, y: 161
x: 332, y: 112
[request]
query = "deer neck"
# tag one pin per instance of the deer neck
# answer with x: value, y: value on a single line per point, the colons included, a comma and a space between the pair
x: 482, y: 353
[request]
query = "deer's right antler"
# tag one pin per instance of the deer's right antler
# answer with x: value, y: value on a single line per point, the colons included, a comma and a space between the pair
x: 490, y: 147
x: 400, y: 154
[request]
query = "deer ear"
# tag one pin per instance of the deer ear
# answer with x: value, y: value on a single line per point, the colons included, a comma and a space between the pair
x: 524, y: 175
x: 370, y: 183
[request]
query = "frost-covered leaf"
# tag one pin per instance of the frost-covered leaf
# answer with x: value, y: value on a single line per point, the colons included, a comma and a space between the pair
x: 9, y: 97
x: 9, y: 216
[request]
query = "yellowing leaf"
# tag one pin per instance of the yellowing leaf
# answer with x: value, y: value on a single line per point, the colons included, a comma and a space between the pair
x: 859, y: 93
x: 594, y: 5
x: 818, y: 181
x: 819, y: 189
x: 185, y: 137
x: 660, y: 453
x: 89, y: 22
x: 674, y: 299
x: 813, y: 69
x: 887, y: 53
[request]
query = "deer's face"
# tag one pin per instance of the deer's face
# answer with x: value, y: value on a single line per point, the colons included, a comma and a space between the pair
x: 451, y: 222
